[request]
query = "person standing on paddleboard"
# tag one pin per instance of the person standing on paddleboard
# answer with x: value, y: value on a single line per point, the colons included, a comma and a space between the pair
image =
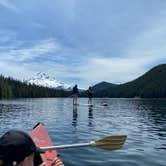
x: 90, y: 95
x: 18, y: 149
x: 75, y: 94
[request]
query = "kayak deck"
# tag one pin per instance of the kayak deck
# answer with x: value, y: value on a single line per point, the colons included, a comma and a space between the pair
x: 41, y: 138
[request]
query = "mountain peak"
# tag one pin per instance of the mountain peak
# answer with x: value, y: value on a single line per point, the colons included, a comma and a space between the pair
x: 42, y: 75
x: 102, y: 85
x: 43, y: 79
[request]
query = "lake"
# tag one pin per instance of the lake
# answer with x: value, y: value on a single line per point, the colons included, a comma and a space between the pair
x: 142, y: 120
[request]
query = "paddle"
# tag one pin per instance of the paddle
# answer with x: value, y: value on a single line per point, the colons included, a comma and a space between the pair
x: 107, y: 143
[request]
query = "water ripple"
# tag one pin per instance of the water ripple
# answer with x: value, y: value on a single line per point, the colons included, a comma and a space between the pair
x: 143, y: 120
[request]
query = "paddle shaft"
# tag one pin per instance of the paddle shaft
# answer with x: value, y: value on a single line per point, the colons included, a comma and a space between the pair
x: 107, y: 143
x: 65, y: 146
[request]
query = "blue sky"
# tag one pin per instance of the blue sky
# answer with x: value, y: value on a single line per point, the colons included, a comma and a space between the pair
x: 82, y: 41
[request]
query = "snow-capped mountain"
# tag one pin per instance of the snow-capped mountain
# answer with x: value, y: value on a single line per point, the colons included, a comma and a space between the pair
x: 42, y: 79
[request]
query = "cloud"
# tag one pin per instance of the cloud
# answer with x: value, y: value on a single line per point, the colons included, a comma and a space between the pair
x: 8, y: 4
x: 23, y: 60
x: 24, y: 70
x: 6, y: 35
x: 25, y: 53
x: 145, y: 51
x: 114, y: 70
x: 84, y: 41
x: 149, y: 45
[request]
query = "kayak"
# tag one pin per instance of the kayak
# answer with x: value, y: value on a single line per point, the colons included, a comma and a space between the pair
x: 41, y: 138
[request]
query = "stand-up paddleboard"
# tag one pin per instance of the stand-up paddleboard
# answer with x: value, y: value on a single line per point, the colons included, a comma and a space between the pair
x: 90, y: 105
x: 41, y: 138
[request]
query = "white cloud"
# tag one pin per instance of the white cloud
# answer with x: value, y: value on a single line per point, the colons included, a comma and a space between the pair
x: 114, y: 70
x: 25, y: 71
x: 146, y: 50
x: 8, y: 4
x: 29, y: 53
x: 21, y: 62
x: 150, y: 44
x: 14, y: 70
x: 81, y: 29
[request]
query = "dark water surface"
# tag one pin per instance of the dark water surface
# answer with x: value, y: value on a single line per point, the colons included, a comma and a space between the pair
x: 142, y: 120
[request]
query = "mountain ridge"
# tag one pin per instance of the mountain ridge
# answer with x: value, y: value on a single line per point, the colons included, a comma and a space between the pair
x: 43, y: 79
x: 102, y: 85
x: 152, y: 84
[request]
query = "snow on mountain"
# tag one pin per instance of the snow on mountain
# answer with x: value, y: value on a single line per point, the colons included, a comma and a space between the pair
x: 42, y: 79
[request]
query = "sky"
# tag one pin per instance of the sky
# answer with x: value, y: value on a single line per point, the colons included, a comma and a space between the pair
x: 82, y: 41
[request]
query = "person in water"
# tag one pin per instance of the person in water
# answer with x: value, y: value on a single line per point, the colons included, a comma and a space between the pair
x: 90, y: 95
x: 75, y: 94
x: 18, y: 149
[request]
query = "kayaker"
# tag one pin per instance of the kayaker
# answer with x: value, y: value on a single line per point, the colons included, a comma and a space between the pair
x: 90, y: 95
x: 75, y: 94
x: 18, y: 149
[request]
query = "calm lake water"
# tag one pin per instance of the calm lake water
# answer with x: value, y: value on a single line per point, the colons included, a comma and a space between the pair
x: 142, y: 120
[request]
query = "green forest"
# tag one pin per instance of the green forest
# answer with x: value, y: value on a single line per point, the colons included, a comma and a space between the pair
x: 11, y: 88
x: 150, y: 85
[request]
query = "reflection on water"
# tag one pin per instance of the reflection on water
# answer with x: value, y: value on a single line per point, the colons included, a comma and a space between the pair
x: 143, y: 120
x: 90, y: 116
x: 74, y: 122
x: 75, y: 115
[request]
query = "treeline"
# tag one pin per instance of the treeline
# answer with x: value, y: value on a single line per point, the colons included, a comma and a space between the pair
x: 151, y: 85
x: 11, y: 88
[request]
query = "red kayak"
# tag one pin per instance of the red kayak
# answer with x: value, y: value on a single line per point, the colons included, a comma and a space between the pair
x: 41, y: 138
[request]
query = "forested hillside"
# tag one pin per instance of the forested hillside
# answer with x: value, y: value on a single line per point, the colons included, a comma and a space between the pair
x: 102, y: 85
x: 10, y: 88
x: 151, y: 85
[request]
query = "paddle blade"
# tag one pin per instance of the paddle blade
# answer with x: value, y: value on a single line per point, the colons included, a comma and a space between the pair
x: 110, y: 143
